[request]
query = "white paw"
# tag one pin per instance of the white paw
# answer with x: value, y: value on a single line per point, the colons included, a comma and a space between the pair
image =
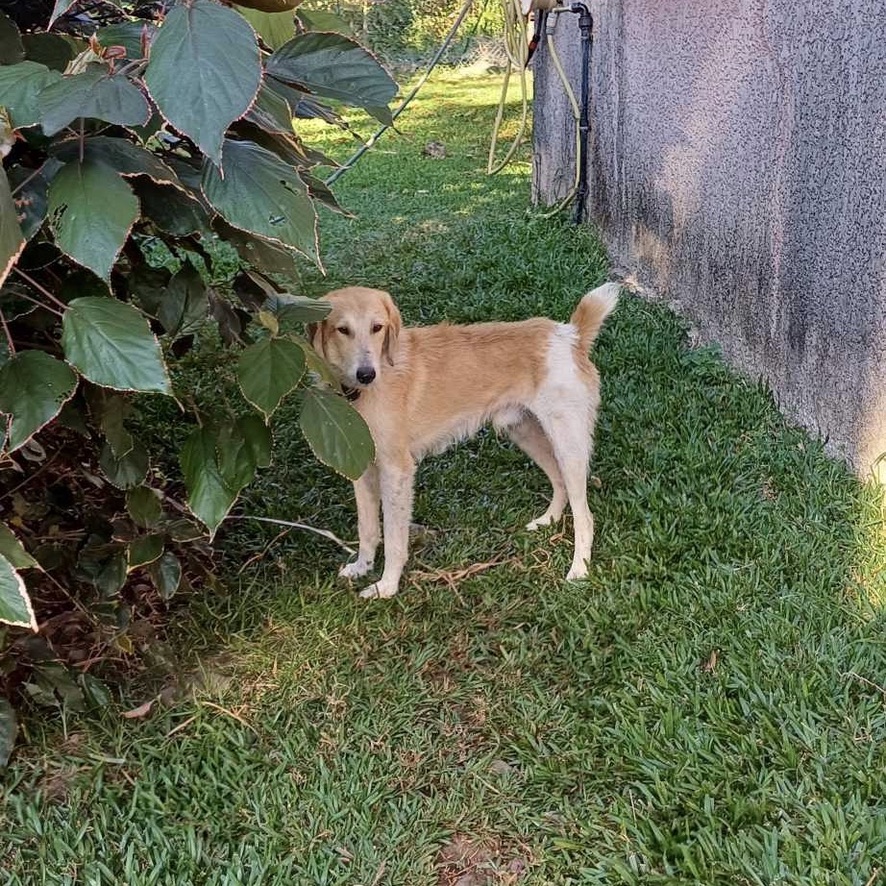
x: 543, y: 520
x: 577, y: 573
x: 378, y: 591
x: 356, y: 569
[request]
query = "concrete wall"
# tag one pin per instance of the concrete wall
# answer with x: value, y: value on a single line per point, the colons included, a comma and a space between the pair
x: 739, y: 168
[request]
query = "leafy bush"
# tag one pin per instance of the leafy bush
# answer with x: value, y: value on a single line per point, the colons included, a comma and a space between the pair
x: 129, y: 132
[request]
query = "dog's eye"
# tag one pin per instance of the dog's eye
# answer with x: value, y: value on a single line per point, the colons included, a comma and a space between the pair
x: 343, y: 330
x: 376, y: 327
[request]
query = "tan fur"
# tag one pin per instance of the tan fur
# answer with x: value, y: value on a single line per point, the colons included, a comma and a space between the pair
x: 424, y: 388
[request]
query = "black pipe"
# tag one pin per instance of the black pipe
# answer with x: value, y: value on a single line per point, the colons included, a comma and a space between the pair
x: 586, y: 26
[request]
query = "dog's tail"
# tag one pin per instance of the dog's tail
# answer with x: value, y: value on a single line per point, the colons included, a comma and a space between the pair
x: 592, y: 310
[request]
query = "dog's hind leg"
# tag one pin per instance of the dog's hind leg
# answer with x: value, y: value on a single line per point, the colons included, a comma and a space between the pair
x: 529, y: 436
x: 366, y: 492
x: 396, y: 484
x: 569, y: 430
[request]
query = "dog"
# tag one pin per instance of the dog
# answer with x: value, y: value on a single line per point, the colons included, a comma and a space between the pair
x: 422, y: 389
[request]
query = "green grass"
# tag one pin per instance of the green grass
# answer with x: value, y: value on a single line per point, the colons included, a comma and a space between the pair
x: 710, y: 707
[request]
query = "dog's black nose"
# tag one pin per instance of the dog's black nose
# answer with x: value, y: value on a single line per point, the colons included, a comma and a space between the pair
x: 365, y: 374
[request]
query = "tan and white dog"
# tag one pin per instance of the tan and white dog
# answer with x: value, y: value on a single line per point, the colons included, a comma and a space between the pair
x: 422, y: 389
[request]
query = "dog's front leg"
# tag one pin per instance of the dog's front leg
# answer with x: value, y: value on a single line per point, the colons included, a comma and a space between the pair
x: 396, y: 483
x: 366, y: 492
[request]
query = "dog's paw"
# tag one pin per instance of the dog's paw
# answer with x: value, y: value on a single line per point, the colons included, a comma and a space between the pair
x: 378, y: 591
x: 577, y: 573
x: 357, y: 569
x: 543, y: 520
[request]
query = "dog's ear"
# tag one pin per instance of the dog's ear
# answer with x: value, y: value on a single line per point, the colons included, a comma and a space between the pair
x: 392, y: 333
x: 317, y: 334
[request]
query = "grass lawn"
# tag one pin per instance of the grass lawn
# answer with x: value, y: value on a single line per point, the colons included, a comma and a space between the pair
x: 710, y: 707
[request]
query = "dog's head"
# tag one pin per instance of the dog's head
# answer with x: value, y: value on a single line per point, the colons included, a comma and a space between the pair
x: 358, y: 335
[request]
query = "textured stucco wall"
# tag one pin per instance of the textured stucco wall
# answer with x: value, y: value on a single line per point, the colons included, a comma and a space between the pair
x: 739, y: 168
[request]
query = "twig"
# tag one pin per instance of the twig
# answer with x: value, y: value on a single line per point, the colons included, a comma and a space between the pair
x: 41, y: 289
x: 9, y: 342
x: 183, y: 725
x: 870, y: 683
x: 262, y: 553
x: 324, y: 532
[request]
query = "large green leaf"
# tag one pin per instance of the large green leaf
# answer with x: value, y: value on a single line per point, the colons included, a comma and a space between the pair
x: 259, y: 252
x: 258, y: 438
x: 11, y: 50
x: 130, y: 35
x: 8, y: 731
x: 275, y: 28
x: 204, y: 71
x: 184, y: 305
x: 95, y: 93
x: 263, y: 195
x: 143, y: 550
x: 167, y: 574
x: 14, y: 550
x: 144, y: 506
x: 125, y: 471
x: 336, y: 433
x: 15, y: 604
x: 169, y: 208
x: 59, y: 9
x: 120, y: 155
x: 32, y: 195
x: 12, y: 240
x: 268, y: 370
x: 19, y: 87
x: 111, y: 344
x: 210, y: 496
x: 91, y: 211
x: 56, y: 51
x: 297, y: 308
x: 336, y: 67
x: 33, y: 388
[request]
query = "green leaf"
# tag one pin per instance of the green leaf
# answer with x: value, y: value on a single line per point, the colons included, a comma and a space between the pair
x: 60, y: 8
x: 110, y: 410
x: 97, y: 94
x: 8, y: 731
x: 14, y: 551
x: 15, y: 604
x: 143, y: 550
x: 320, y: 20
x: 166, y: 574
x: 111, y: 344
x: 297, y: 308
x: 258, y: 437
x: 12, y: 240
x: 11, y: 49
x: 128, y: 471
x: 130, y: 35
x: 55, y: 51
x: 336, y: 67
x: 336, y: 433
x: 32, y: 195
x: 260, y: 253
x: 112, y: 575
x: 184, y: 305
x: 144, y: 506
x: 210, y: 497
x: 204, y: 71
x: 121, y: 155
x: 91, y: 211
x: 268, y: 370
x: 19, y: 87
x: 263, y: 195
x: 275, y: 28
x: 33, y: 388
x: 169, y: 208
x: 234, y: 456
